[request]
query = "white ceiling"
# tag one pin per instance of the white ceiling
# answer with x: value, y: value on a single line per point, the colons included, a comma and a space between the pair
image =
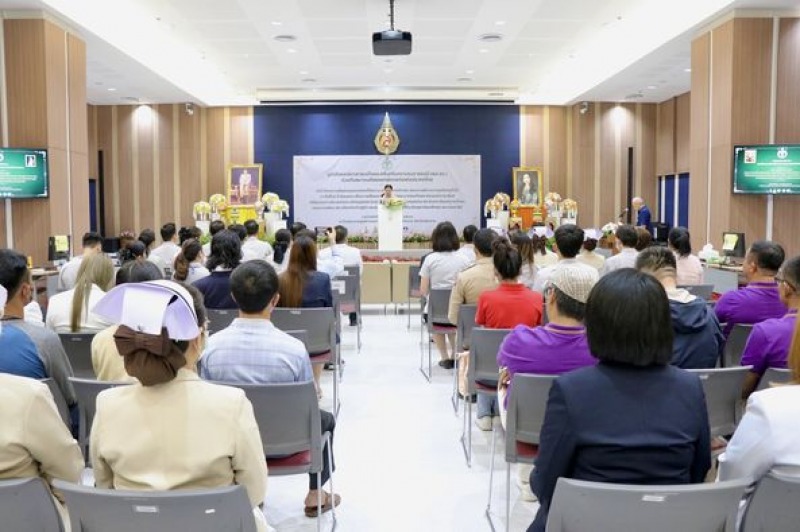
x: 225, y: 53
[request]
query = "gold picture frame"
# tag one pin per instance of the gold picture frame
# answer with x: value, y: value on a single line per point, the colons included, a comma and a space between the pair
x: 243, y: 184
x: 526, y: 181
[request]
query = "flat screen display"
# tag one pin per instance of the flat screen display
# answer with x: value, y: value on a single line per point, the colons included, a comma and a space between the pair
x: 766, y: 169
x: 23, y: 173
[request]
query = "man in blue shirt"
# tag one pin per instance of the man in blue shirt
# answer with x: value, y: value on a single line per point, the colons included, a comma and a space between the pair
x: 252, y: 350
x: 642, y: 214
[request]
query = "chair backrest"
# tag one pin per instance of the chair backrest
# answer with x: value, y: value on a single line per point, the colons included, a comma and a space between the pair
x: 526, y: 407
x: 300, y: 335
x: 219, y: 319
x: 351, y: 295
x: 773, y: 506
x: 225, y: 509
x: 580, y: 506
x: 26, y: 505
x: 86, y: 391
x: 58, y: 397
x: 353, y: 270
x: 723, y: 391
x: 78, y: 347
x: 319, y: 324
x: 413, y: 281
x: 484, y: 344
x: 734, y: 345
x: 466, y: 322
x: 774, y: 376
x: 438, y: 306
x: 288, y: 418
x: 703, y: 291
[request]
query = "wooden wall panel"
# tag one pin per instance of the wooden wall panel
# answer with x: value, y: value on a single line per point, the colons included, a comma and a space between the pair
x: 787, y: 129
x: 627, y: 137
x: 144, y: 119
x: 124, y: 168
x: 557, y: 144
x: 189, y: 154
x: 532, y: 133
x: 609, y: 175
x: 583, y: 163
x: 699, y: 142
x: 665, y: 138
x: 166, y: 154
x: 645, y: 159
x: 683, y: 105
x: 215, y: 156
x: 78, y: 135
x: 241, y: 135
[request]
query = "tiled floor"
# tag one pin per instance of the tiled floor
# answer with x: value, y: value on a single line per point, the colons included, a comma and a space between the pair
x: 400, y: 466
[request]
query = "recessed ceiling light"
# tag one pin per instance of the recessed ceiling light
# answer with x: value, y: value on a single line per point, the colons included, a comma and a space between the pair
x: 291, y: 50
x: 499, y: 22
x: 490, y: 37
x: 651, y: 87
x: 111, y: 89
x: 276, y: 23
x: 309, y: 80
x: 687, y: 69
x: 483, y: 51
x: 470, y: 71
x: 387, y: 70
x: 285, y: 38
x: 131, y: 99
x: 464, y: 80
x: 303, y: 72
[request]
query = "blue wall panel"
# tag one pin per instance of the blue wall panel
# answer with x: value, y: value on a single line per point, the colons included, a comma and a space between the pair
x: 491, y: 131
x: 683, y: 200
x: 669, y: 200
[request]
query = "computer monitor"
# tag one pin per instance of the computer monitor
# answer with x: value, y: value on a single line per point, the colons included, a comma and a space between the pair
x: 111, y: 245
x: 733, y: 245
x: 58, y: 248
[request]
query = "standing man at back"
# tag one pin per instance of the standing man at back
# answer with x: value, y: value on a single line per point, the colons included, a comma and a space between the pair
x: 476, y: 279
x: 760, y: 300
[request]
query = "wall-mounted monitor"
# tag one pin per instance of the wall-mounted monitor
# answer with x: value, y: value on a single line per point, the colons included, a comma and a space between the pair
x: 766, y: 169
x: 23, y: 173
x: 733, y: 245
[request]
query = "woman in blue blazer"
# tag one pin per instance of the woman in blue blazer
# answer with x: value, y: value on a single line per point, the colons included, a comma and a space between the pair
x: 633, y: 418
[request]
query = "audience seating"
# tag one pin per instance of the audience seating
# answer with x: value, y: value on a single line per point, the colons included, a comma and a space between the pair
x: 61, y: 403
x: 350, y: 299
x: 703, y: 291
x: 209, y: 510
x: 219, y: 319
x: 26, y: 505
x: 413, y: 291
x: 438, y: 306
x: 289, y: 422
x: 773, y: 506
x: 734, y: 345
x: 526, y: 407
x: 774, y: 376
x: 723, y: 390
x: 320, y: 326
x: 86, y: 391
x: 78, y: 347
x: 482, y: 375
x: 581, y: 506
x: 466, y: 322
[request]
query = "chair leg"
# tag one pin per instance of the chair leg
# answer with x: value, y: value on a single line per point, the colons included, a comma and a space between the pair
x: 319, y: 501
x: 454, y: 398
x: 508, y: 496
x: 466, y: 433
x: 408, y: 311
x: 422, y: 361
x: 333, y: 492
x: 491, y: 481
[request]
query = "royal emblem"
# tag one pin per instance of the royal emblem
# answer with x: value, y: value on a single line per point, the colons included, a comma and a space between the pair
x: 387, y: 140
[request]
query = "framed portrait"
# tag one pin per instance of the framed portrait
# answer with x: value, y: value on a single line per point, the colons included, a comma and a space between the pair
x: 244, y: 184
x: 527, y: 185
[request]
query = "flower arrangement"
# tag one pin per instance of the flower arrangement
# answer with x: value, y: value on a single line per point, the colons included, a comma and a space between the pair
x: 552, y: 199
x: 499, y: 202
x: 218, y: 203
x: 571, y: 206
x: 609, y: 229
x: 280, y: 206
x: 269, y: 198
x: 201, y: 210
x: 395, y: 203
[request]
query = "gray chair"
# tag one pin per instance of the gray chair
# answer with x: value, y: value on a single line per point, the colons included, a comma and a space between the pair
x: 734, y: 345
x: 466, y: 322
x: 26, y: 505
x: 86, y: 391
x: 320, y: 326
x: 289, y: 422
x: 773, y: 506
x: 219, y: 319
x: 300, y: 335
x: 225, y: 509
x: 774, y: 376
x: 413, y: 291
x: 350, y: 300
x: 61, y: 403
x: 527, y: 404
x: 438, y: 323
x: 482, y: 374
x: 78, y: 347
x: 703, y: 291
x: 580, y: 506
x: 723, y: 391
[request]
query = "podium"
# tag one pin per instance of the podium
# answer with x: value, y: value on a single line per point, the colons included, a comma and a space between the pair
x: 390, y: 228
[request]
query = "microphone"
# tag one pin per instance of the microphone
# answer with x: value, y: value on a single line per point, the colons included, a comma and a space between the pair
x: 622, y: 213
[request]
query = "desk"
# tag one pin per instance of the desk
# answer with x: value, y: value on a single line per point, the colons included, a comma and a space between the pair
x: 724, y: 278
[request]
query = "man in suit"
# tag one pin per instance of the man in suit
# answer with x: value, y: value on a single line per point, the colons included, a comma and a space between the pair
x: 643, y: 215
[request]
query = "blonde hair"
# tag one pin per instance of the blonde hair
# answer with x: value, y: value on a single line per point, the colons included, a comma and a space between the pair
x: 95, y: 269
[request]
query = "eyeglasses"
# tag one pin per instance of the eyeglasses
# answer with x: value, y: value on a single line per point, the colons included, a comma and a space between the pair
x: 781, y: 279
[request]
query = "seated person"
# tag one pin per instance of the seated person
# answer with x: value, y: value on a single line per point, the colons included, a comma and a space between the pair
x: 698, y: 336
x: 768, y: 343
x: 588, y: 255
x: 226, y: 254
x: 189, y: 265
x: 524, y: 244
x: 759, y: 300
x: 171, y: 430
x: 252, y: 350
x: 468, y: 247
x: 767, y: 438
x: 106, y: 362
x: 690, y: 269
x: 71, y: 311
x: 29, y: 350
x: 625, y: 244
x: 213, y: 228
x: 505, y: 307
x: 633, y: 418
x: 67, y: 275
x: 166, y: 252
x: 253, y: 246
x: 331, y: 263
x: 567, y: 245
x: 476, y: 278
x: 351, y: 256
x: 283, y: 243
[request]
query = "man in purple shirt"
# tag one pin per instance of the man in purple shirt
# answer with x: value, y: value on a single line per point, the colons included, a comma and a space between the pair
x: 768, y: 343
x: 760, y: 299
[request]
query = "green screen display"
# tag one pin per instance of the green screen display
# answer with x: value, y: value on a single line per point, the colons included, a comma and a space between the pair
x: 23, y: 173
x: 768, y: 169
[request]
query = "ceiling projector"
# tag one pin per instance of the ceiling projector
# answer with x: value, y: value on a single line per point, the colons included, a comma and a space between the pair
x: 391, y: 41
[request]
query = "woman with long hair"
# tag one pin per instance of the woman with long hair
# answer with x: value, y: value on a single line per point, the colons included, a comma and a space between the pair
x: 690, y: 269
x: 283, y: 241
x: 71, y: 311
x: 188, y: 266
x: 528, y: 268
x: 226, y: 254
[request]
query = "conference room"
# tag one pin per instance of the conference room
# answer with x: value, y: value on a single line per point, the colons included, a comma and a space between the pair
x: 407, y: 222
